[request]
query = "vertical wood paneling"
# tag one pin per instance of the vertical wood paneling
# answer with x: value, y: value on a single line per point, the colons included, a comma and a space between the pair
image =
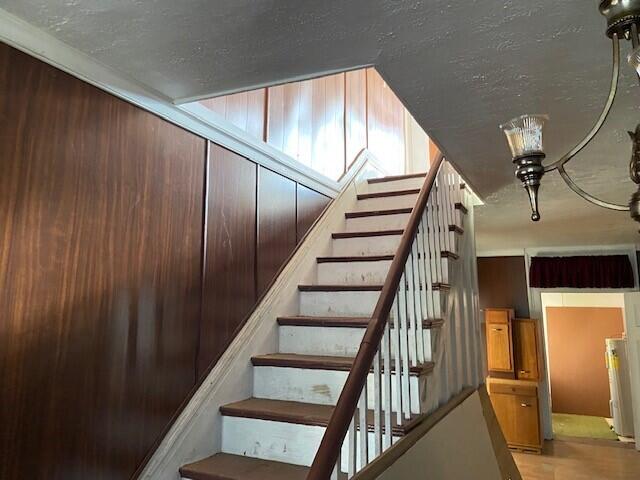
x: 246, y: 110
x: 310, y: 205
x: 306, y: 121
x: 229, y: 270
x: 385, y: 123
x: 101, y: 208
x: 355, y: 114
x: 502, y: 283
x: 276, y: 224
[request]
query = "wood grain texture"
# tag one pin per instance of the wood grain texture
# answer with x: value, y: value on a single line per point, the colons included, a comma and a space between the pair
x: 503, y: 284
x: 306, y: 121
x: 309, y: 205
x: 579, y: 378
x: 385, y: 123
x: 100, y: 255
x: 580, y: 460
x: 276, y: 224
x: 355, y: 119
x: 246, y: 110
x: 229, y: 272
x: 526, y: 348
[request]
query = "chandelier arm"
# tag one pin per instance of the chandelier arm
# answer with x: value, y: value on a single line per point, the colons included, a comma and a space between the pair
x: 615, y: 73
x: 590, y: 198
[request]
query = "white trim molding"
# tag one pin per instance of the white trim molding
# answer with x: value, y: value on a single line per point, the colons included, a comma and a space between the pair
x: 200, y: 121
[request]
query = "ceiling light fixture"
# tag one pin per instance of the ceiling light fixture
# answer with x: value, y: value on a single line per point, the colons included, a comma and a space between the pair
x: 524, y: 133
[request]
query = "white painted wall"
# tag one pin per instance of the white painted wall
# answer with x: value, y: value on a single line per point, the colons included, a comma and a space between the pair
x: 458, y: 447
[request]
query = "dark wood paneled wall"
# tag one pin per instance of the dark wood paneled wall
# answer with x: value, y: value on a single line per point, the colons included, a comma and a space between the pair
x: 101, y: 233
x: 230, y: 261
x: 128, y: 261
x: 502, y: 283
x: 325, y: 122
x: 309, y: 206
x: 276, y: 224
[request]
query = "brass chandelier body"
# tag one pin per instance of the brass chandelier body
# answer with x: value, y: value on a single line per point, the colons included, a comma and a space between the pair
x: 623, y: 22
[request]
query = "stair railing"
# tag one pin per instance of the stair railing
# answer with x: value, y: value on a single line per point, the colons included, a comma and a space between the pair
x: 396, y: 339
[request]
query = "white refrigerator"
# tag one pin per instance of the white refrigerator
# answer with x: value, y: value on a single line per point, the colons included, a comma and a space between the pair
x: 620, y: 386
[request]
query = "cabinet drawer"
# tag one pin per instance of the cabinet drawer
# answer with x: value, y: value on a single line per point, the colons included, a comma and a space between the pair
x: 511, y: 389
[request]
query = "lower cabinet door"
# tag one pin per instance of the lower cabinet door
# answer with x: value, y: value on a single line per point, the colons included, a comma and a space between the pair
x: 518, y: 418
x: 526, y: 413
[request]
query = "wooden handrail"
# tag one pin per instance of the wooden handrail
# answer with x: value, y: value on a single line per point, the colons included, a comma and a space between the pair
x: 329, y: 450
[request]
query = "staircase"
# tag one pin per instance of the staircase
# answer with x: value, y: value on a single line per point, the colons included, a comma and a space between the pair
x: 276, y: 433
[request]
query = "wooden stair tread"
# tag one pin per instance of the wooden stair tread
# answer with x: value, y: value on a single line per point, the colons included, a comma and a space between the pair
x: 358, y: 288
x: 369, y: 233
x: 348, y: 322
x: 375, y: 213
x: 457, y: 229
x: 321, y: 362
x: 357, y: 258
x: 300, y: 413
x: 308, y: 321
x: 461, y: 207
x: 225, y: 466
x: 392, y: 178
x: 392, y: 193
x: 375, y: 258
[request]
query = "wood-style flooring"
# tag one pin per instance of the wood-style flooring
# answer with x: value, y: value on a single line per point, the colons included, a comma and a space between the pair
x: 581, y: 459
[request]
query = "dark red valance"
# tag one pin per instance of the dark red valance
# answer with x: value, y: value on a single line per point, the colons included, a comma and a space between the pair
x: 598, y: 271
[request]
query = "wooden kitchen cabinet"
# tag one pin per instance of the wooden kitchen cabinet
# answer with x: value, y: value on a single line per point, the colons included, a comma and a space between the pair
x: 516, y: 406
x: 525, y: 346
x: 500, y: 358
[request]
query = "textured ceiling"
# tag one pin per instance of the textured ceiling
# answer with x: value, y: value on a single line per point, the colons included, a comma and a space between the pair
x: 461, y: 67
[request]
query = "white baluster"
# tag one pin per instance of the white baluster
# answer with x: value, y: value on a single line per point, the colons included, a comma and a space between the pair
x: 397, y: 361
x: 403, y: 369
x: 410, y: 299
x: 364, y: 430
x: 377, y: 403
x: 417, y: 300
x: 386, y: 382
x: 352, y: 438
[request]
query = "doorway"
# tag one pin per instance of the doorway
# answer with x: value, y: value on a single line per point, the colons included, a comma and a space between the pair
x: 576, y: 326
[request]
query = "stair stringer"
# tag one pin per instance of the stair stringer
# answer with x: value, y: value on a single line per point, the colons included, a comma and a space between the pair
x: 458, y: 359
x: 197, y: 431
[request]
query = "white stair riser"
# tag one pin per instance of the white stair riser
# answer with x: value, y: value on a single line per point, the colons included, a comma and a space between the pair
x: 380, y: 245
x: 277, y: 441
x: 392, y: 186
x: 268, y: 440
x: 383, y: 203
x: 353, y: 273
x: 377, y: 222
x: 333, y: 341
x: 338, y: 304
x: 328, y: 341
x: 323, y: 386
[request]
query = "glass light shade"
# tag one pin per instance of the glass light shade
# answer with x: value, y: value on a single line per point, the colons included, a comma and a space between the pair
x: 634, y: 60
x: 524, y: 134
